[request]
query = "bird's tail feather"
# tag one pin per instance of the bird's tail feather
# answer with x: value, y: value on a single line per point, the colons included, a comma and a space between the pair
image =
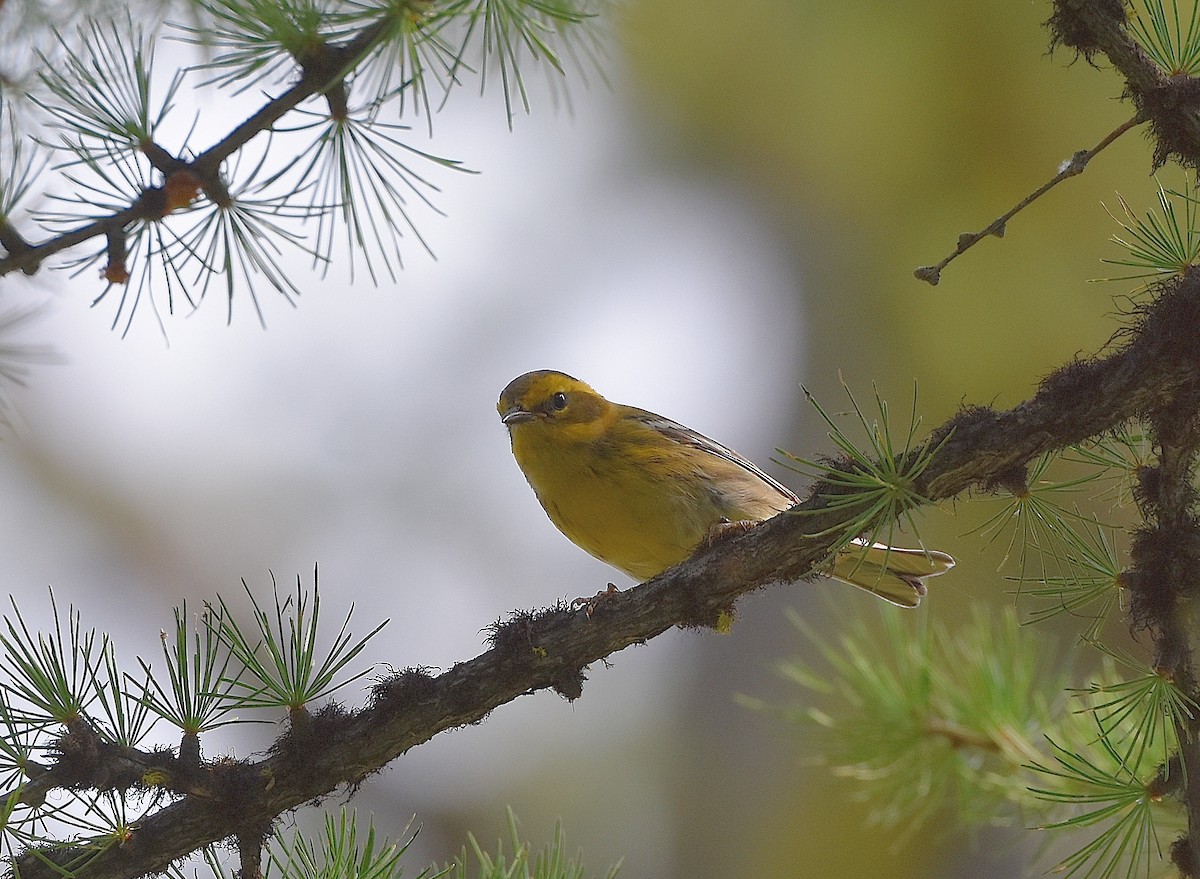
x: 895, y: 575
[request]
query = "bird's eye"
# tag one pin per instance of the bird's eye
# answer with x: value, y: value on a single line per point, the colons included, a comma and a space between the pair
x: 559, y: 401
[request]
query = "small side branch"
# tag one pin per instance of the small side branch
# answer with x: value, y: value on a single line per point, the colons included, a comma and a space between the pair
x: 116, y: 271
x: 204, y: 170
x: 250, y: 849
x: 11, y: 240
x: 1166, y: 577
x: 1071, y: 168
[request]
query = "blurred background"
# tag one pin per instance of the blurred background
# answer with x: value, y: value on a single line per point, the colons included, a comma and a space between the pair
x: 736, y: 212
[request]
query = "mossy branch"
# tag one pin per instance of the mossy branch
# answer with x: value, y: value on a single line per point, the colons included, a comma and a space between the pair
x: 1154, y: 370
x: 1169, y: 102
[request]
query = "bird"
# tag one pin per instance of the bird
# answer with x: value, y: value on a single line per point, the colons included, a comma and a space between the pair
x: 642, y: 492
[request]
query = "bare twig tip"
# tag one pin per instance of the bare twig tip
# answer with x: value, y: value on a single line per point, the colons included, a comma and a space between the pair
x: 929, y: 274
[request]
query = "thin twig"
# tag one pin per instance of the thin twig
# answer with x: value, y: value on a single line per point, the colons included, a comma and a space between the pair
x: 1072, y: 167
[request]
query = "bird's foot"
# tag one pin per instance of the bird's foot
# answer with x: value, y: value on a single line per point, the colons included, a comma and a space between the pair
x: 725, y: 528
x: 589, y: 605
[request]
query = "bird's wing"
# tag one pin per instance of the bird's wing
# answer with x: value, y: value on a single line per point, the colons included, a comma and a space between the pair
x: 678, y: 433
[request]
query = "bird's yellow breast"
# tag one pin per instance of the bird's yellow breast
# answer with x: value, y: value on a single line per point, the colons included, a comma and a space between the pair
x: 618, y: 492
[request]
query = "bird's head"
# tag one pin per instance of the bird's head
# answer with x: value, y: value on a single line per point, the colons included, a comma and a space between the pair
x: 547, y: 400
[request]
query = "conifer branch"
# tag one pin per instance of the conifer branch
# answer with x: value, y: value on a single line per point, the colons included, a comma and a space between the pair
x: 319, y: 72
x: 1155, y: 373
x: 1169, y: 102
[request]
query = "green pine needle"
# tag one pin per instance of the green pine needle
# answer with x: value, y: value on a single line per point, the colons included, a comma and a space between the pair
x: 241, y: 243
x: 1110, y: 795
x: 340, y: 854
x: 1037, y: 523
x: 1088, y: 581
x: 1170, y: 42
x: 54, y: 676
x: 1163, y: 245
x: 1119, y: 457
x: 16, y: 354
x: 293, y: 673
x: 196, y: 697
x: 20, y: 162
x: 125, y: 719
x: 13, y: 836
x: 552, y: 862
x: 257, y: 41
x: 101, y: 92
x: 411, y: 56
x: 18, y: 742
x: 1139, y: 718
x: 216, y: 866
x: 94, y: 821
x: 357, y: 172
x: 922, y: 718
x: 99, y: 186
x: 875, y: 485
x: 510, y: 30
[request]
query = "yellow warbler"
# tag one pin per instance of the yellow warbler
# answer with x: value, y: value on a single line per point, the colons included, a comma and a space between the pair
x: 640, y: 491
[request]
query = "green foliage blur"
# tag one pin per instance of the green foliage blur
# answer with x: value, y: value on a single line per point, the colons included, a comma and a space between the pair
x: 875, y: 134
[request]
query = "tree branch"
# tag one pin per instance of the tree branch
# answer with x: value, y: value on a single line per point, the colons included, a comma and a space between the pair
x: 1156, y: 366
x: 317, y: 75
x: 1164, y: 587
x: 1169, y: 102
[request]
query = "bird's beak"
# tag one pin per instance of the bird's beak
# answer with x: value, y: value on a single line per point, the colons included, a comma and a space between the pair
x: 516, y: 415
